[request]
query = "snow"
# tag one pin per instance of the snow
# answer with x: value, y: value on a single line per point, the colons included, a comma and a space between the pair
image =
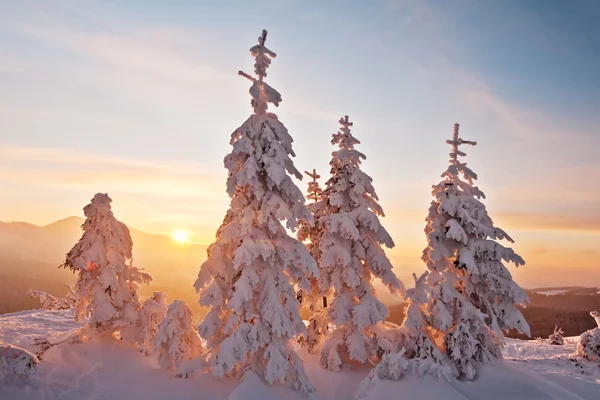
x: 107, y: 369
x: 553, y: 292
x: 22, y: 328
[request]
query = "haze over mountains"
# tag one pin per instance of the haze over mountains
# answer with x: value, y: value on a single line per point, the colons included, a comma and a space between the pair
x: 30, y: 256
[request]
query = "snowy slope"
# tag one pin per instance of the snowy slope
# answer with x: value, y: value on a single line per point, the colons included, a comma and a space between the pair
x: 105, y: 369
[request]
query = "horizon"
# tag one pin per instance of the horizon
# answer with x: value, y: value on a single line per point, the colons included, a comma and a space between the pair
x: 139, y: 102
x: 407, y: 278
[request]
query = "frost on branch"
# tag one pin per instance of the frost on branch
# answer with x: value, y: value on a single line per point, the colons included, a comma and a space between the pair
x: 248, y: 278
x: 473, y: 298
x: 351, y: 254
x: 589, y: 342
x: 107, y: 282
x: 50, y: 302
x: 177, y: 339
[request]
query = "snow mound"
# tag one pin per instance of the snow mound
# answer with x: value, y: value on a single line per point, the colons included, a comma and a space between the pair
x: 107, y: 369
x: 25, y: 328
x: 16, y: 364
x: 253, y: 387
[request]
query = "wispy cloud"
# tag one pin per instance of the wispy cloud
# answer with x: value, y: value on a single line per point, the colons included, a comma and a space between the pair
x: 76, y: 170
x: 550, y: 222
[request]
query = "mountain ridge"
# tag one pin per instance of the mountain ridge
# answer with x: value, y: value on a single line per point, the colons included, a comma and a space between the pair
x: 31, y: 254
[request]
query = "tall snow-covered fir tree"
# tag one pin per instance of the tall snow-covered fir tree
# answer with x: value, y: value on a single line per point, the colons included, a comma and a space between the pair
x: 107, y: 283
x: 352, y: 254
x: 247, y: 280
x: 473, y: 296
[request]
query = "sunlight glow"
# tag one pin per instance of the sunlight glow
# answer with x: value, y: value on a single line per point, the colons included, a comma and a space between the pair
x: 180, y: 236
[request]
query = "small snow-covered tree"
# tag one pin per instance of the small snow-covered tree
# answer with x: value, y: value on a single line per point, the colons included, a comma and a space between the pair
x: 557, y: 337
x: 247, y: 279
x: 352, y: 254
x: 50, y: 302
x: 392, y: 366
x: 473, y: 296
x: 589, y: 342
x: 152, y: 312
x: 177, y: 339
x: 417, y: 337
x: 316, y: 329
x: 107, y: 284
x: 409, y: 348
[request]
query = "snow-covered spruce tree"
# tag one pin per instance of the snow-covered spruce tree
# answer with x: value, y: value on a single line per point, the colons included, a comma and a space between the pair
x: 589, y: 342
x: 152, y: 312
x: 107, y: 284
x: 247, y: 280
x: 315, y: 299
x: 351, y: 255
x: 473, y: 296
x: 177, y: 339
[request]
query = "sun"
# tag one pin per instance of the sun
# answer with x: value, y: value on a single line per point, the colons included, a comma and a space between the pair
x: 180, y: 236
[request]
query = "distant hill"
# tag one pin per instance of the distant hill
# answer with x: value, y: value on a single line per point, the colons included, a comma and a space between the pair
x: 30, y: 256
x: 566, y: 290
x: 567, y: 307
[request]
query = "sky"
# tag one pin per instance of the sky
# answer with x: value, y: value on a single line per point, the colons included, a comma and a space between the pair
x: 138, y: 99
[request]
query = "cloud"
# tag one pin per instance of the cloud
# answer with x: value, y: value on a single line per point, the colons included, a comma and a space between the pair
x: 435, y: 45
x: 550, y: 222
x: 161, y: 63
x: 114, y: 38
x: 75, y: 170
x: 43, y: 185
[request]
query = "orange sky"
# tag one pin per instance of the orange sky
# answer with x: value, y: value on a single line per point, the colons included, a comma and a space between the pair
x: 99, y: 97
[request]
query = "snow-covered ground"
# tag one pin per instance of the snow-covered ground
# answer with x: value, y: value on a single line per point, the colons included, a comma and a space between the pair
x: 105, y: 369
x: 553, y: 292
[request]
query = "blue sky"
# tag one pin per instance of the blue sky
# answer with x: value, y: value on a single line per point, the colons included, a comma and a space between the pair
x: 138, y: 98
